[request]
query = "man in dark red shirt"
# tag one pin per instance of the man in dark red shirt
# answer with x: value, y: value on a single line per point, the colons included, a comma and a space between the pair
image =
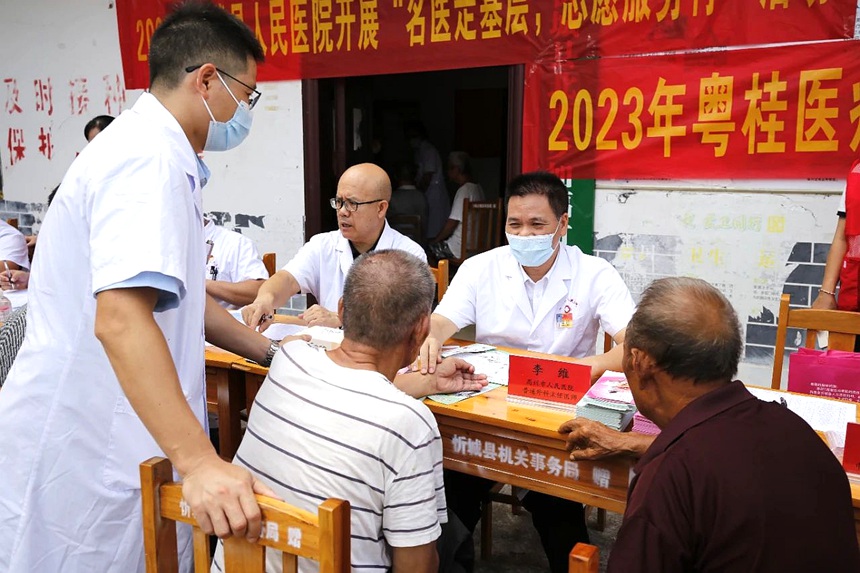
x: 732, y: 483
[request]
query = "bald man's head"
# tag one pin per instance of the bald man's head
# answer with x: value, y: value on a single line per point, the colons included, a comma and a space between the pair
x: 368, y: 178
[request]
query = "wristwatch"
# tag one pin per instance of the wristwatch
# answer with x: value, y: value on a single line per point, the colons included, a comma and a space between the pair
x: 270, y: 353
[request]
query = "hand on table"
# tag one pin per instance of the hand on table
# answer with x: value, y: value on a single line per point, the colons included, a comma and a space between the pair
x: 292, y: 337
x: 456, y: 375
x: 14, y: 280
x: 221, y: 497
x: 590, y: 440
x: 319, y: 316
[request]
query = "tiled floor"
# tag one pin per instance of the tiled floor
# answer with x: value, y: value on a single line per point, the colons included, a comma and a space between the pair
x: 517, y: 549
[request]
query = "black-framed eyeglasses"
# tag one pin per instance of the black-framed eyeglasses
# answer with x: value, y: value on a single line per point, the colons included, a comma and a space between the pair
x: 255, y: 93
x: 351, y: 206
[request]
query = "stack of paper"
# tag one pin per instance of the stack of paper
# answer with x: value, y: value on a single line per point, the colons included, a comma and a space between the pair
x: 608, y: 401
x: 643, y: 425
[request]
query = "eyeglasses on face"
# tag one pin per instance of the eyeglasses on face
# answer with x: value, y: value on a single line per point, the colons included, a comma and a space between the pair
x: 255, y: 93
x: 351, y: 206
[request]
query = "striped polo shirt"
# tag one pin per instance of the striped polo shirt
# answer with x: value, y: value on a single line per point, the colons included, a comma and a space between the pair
x: 318, y: 430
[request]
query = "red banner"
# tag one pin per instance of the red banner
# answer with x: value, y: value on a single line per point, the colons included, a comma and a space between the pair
x: 791, y: 111
x: 330, y: 38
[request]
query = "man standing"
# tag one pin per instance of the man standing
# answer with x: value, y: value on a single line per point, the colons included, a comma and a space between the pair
x: 536, y: 294
x: 111, y: 371
x: 320, y: 266
x: 732, y: 483
x: 430, y: 178
x: 316, y: 407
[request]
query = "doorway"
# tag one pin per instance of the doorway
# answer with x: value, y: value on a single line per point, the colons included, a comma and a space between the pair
x: 362, y: 119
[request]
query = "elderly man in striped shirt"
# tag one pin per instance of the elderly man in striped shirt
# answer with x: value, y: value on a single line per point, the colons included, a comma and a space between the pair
x: 332, y: 424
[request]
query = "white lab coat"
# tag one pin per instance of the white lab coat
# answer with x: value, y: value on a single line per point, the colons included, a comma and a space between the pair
x: 321, y: 264
x: 233, y: 259
x: 489, y: 291
x: 13, y: 246
x: 72, y: 444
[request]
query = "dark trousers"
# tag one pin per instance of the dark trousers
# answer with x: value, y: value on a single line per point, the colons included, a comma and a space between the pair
x: 559, y: 522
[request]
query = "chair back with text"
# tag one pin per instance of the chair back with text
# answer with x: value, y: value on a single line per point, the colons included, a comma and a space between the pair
x: 269, y: 260
x: 842, y: 327
x: 482, y: 227
x: 324, y: 537
x: 408, y: 225
x: 440, y: 275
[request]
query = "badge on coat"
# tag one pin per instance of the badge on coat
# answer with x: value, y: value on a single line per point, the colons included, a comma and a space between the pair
x: 564, y: 318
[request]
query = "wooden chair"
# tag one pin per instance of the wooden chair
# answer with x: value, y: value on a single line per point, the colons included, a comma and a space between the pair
x: 440, y: 274
x: 12, y: 222
x: 482, y: 227
x: 843, y: 328
x: 324, y: 537
x: 409, y: 225
x: 269, y: 261
x: 495, y: 495
x: 584, y: 558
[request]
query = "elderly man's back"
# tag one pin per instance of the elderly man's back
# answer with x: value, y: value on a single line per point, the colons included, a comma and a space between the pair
x: 737, y: 484
x: 320, y: 430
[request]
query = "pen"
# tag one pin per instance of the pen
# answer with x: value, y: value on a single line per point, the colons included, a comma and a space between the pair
x: 8, y: 273
x: 265, y: 317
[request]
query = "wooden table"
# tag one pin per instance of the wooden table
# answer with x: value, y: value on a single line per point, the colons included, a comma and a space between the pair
x: 475, y: 434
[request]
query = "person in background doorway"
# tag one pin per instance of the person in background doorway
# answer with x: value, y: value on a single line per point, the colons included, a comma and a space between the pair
x: 449, y: 242
x: 14, y: 261
x: 430, y: 178
x: 407, y: 200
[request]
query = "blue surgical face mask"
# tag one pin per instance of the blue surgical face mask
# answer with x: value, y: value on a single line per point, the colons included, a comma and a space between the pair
x: 534, y: 250
x: 224, y: 136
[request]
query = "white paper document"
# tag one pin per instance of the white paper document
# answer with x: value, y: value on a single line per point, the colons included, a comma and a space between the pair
x: 822, y: 414
x: 486, y: 360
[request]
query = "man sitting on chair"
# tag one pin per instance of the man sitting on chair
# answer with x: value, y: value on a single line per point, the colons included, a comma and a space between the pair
x: 732, y: 483
x: 331, y: 424
x: 321, y: 264
x: 449, y: 243
x: 536, y: 294
x: 234, y: 271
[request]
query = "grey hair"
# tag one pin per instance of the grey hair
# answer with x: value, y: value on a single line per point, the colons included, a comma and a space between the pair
x: 689, y: 328
x: 385, y: 295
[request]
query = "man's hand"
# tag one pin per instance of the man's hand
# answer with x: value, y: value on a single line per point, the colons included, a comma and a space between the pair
x: 14, y: 280
x: 429, y: 356
x: 590, y: 440
x: 221, y: 497
x: 456, y: 375
x: 258, y: 315
x: 292, y: 337
x: 319, y: 316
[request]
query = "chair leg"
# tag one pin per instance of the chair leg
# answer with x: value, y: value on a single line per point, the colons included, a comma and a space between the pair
x: 487, y: 529
x: 601, y: 519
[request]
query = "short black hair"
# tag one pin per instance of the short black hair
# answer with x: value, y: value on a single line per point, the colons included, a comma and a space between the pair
x: 98, y: 122
x: 539, y: 183
x: 406, y: 171
x: 196, y: 33
x: 689, y: 328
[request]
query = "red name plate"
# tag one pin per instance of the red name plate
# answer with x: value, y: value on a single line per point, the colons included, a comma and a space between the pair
x: 851, y: 457
x: 543, y: 379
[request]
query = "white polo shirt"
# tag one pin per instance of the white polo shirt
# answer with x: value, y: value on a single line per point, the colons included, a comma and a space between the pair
x: 321, y: 264
x: 578, y: 295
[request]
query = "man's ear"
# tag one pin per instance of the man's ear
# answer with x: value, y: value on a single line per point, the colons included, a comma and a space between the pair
x: 421, y: 330
x: 340, y: 309
x: 643, y: 365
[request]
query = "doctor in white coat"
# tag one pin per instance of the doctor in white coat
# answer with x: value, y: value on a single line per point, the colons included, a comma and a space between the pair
x: 320, y: 266
x: 536, y: 294
x: 111, y: 371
